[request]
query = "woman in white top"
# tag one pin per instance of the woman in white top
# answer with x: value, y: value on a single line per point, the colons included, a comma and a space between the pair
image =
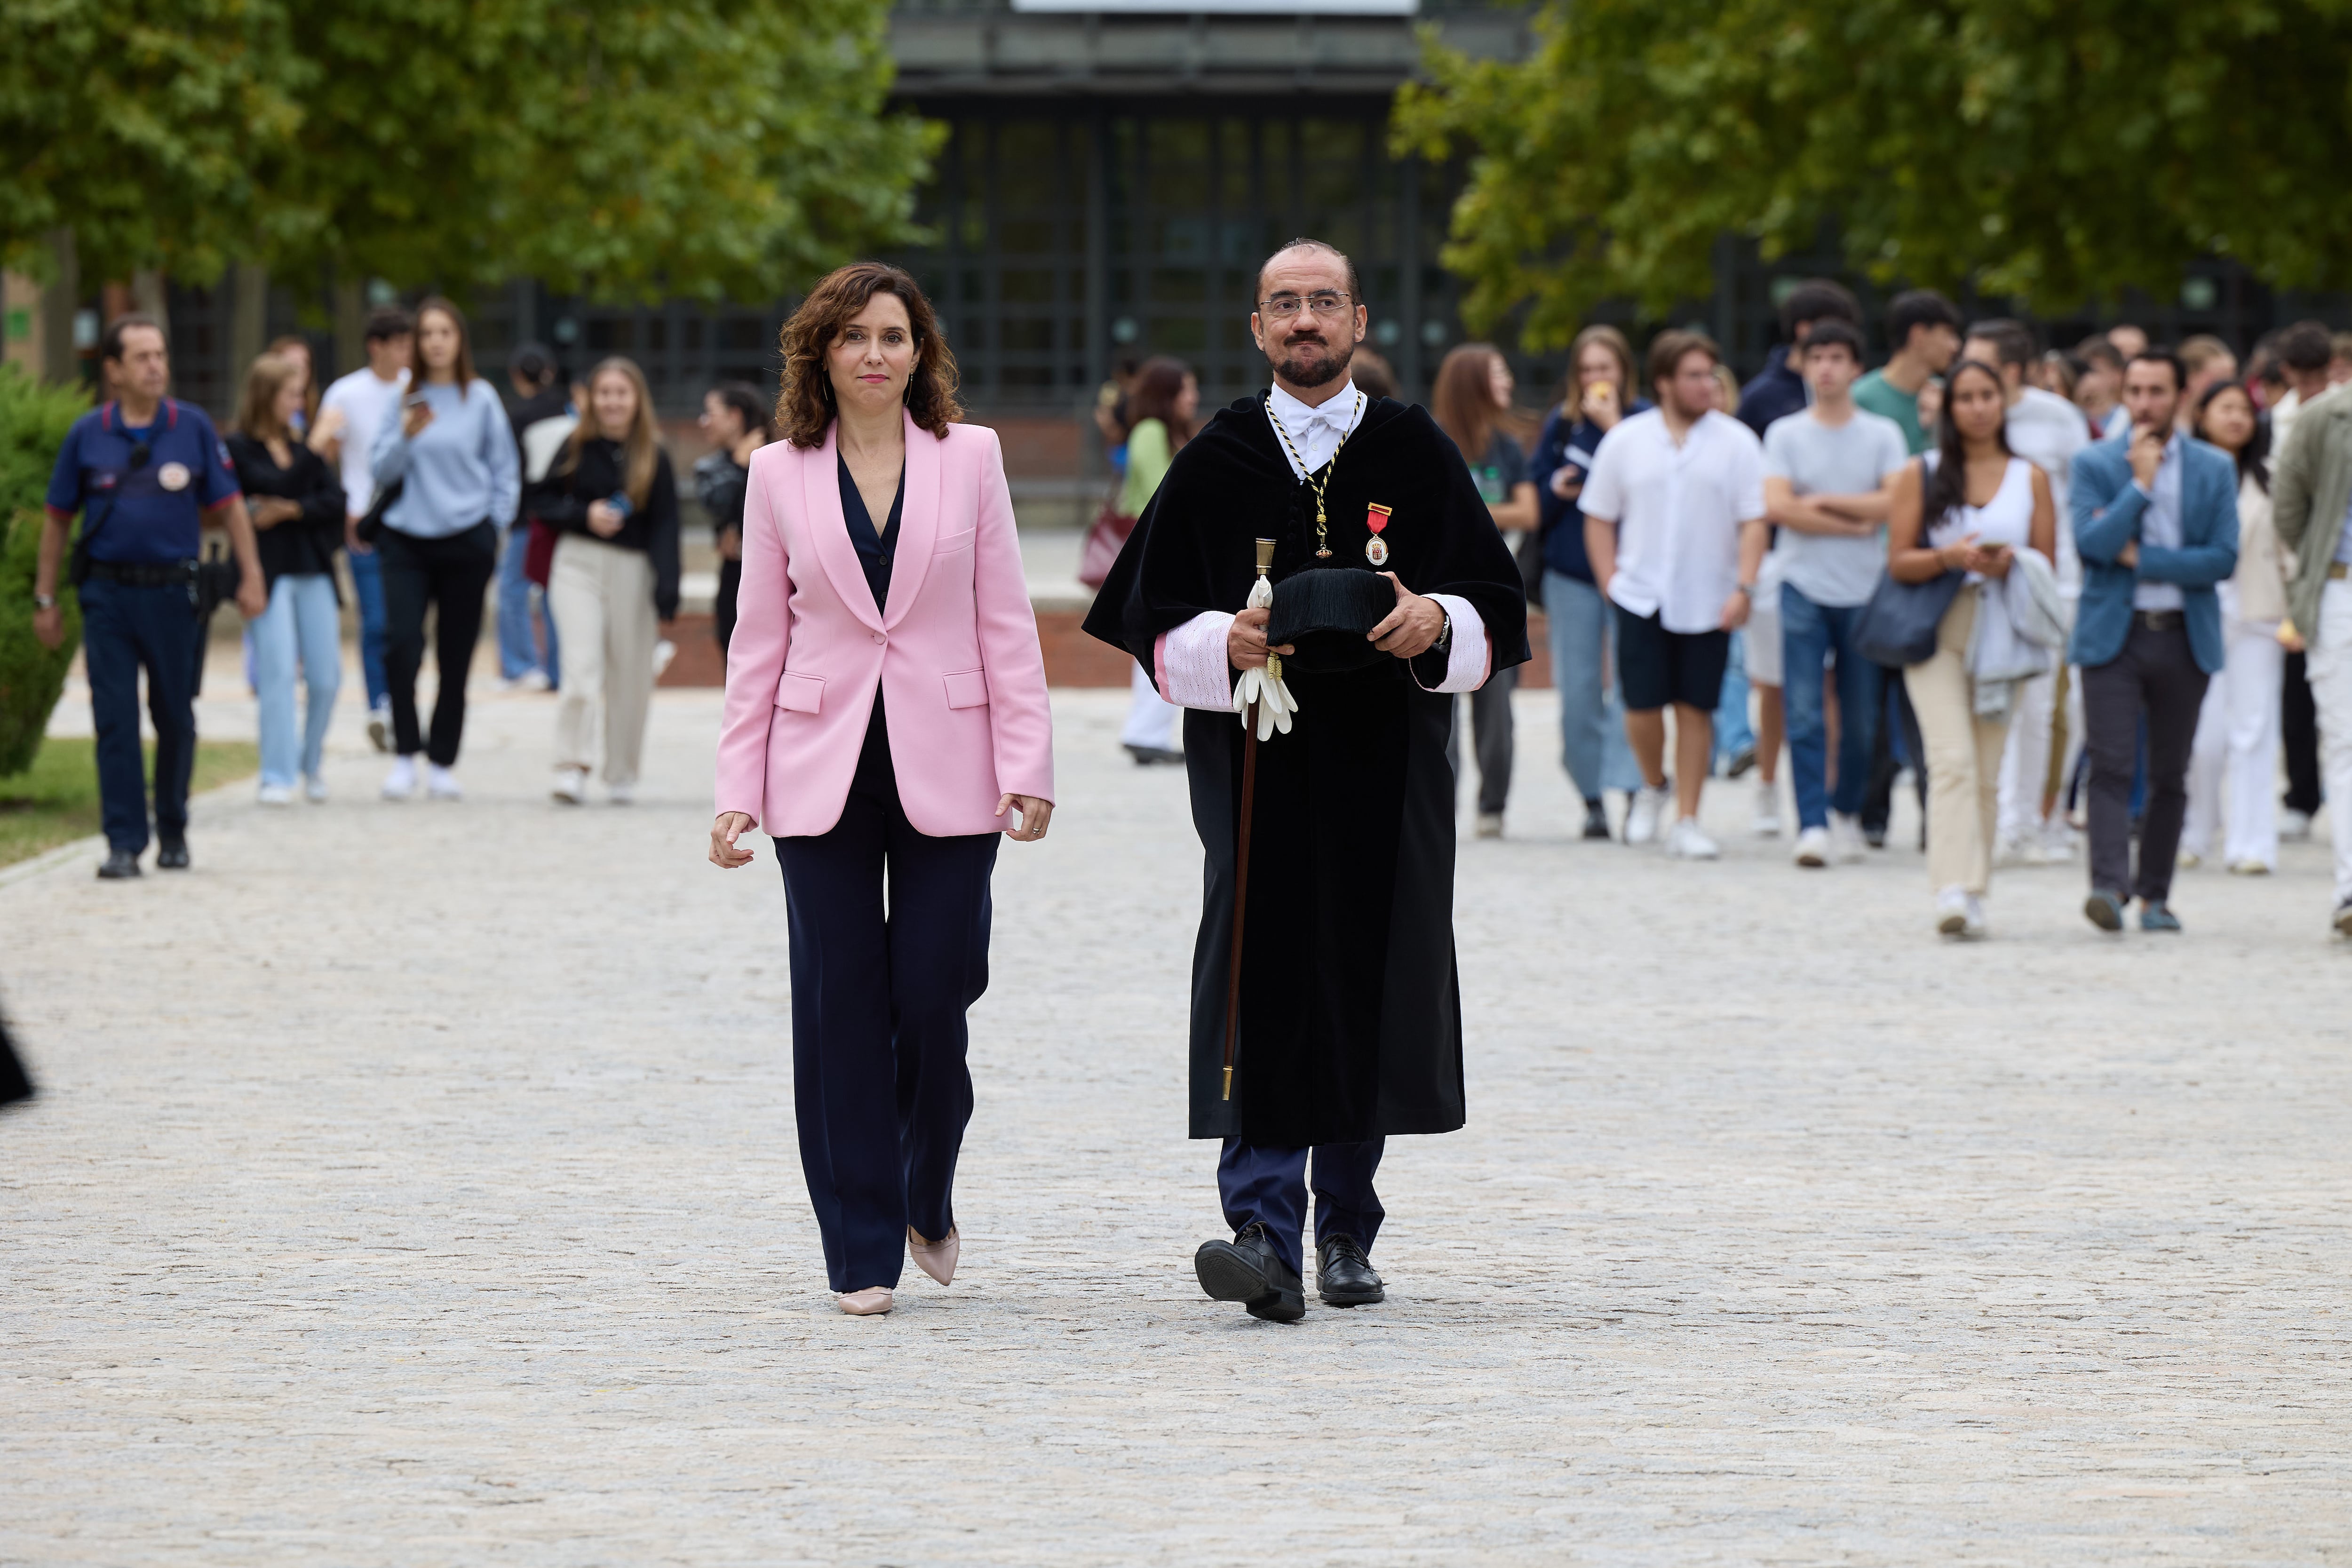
x: 1969, y: 506
x: 2238, y: 730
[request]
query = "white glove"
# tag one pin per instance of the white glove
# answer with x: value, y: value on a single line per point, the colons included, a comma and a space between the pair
x: 1264, y: 687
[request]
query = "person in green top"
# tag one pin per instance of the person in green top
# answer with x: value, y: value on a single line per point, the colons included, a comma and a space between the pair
x: 1925, y: 330
x: 1160, y: 407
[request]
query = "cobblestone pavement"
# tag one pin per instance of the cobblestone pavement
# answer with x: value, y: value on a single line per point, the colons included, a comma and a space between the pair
x: 416, y: 1184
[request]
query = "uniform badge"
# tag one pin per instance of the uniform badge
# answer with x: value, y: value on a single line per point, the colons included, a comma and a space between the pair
x: 1376, y: 549
x: 172, y: 476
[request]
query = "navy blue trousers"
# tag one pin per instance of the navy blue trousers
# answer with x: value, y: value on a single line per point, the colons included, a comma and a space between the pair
x: 890, y: 947
x: 1262, y: 1183
x: 124, y: 628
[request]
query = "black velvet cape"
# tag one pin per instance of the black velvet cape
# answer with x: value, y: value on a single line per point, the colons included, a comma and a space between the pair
x: 1350, y: 1005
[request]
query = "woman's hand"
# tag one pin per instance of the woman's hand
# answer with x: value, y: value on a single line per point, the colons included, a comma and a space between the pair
x: 1567, y: 481
x: 2288, y: 637
x: 605, y: 518
x: 1035, y: 814
x: 268, y: 511
x: 723, y: 834
x: 415, y: 418
x: 730, y: 544
x: 1994, y: 560
x: 1600, y: 405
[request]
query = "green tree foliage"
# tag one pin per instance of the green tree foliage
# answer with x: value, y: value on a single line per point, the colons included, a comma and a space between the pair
x: 2050, y: 150
x: 33, y: 424
x: 694, y: 147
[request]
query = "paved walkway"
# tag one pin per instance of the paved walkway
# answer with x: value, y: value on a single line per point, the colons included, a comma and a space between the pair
x: 416, y: 1184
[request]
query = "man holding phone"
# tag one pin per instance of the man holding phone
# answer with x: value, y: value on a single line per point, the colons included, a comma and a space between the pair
x: 2156, y: 523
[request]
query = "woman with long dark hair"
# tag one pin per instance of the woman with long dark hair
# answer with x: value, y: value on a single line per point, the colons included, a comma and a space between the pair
x: 1598, y: 394
x: 1471, y: 400
x: 2238, y: 728
x: 1971, y: 507
x: 886, y: 721
x: 735, y: 420
x: 611, y: 498
x: 1162, y: 404
x: 452, y: 453
x: 296, y: 505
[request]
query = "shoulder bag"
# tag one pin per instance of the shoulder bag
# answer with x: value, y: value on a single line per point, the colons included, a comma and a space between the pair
x: 1897, y: 626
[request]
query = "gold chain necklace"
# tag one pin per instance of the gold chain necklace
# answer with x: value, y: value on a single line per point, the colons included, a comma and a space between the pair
x: 1322, y: 551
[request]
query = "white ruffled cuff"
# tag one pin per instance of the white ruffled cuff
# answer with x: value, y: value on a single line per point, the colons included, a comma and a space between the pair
x: 1471, y: 658
x: 1190, y: 664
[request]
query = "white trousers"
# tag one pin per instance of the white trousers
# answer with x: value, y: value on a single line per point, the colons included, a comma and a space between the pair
x: 2329, y: 664
x: 602, y: 597
x: 1150, y: 721
x: 2237, y: 750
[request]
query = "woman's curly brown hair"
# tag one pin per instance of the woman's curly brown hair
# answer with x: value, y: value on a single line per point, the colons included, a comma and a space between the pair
x: 805, y: 405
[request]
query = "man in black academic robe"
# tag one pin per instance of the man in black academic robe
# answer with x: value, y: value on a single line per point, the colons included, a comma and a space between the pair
x: 1349, y: 1018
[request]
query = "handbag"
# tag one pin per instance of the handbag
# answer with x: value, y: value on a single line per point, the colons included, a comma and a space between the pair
x: 1897, y: 626
x: 1105, y: 537
x: 371, y: 524
x: 538, y: 552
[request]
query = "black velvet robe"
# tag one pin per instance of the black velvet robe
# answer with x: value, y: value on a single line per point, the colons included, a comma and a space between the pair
x: 1351, y: 1007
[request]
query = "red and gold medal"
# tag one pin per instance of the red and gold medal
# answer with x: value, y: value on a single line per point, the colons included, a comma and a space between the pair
x: 1376, y: 549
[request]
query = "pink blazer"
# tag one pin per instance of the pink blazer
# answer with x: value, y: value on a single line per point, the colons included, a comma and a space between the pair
x: 954, y: 651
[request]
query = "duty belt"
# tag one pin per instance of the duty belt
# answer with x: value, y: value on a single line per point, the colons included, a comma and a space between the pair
x: 145, y: 574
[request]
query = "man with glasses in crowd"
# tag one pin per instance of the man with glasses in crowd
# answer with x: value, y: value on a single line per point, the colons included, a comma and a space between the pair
x: 146, y: 472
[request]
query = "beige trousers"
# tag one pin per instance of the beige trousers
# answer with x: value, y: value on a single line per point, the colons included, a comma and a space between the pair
x: 602, y: 597
x: 1963, y: 755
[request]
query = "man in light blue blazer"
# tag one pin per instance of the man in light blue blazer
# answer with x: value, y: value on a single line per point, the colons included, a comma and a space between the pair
x: 2156, y: 522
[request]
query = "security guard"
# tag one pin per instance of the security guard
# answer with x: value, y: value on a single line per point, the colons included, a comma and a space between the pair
x: 146, y: 472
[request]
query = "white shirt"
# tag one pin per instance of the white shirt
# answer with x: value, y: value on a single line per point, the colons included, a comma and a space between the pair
x: 1318, y: 431
x: 365, y: 400
x: 2048, y: 431
x: 1677, y: 511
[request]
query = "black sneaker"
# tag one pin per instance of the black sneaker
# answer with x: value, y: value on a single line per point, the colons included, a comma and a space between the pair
x: 1249, y: 1270
x: 120, y: 864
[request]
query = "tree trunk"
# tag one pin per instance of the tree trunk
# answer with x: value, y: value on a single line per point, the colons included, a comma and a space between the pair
x: 61, y: 361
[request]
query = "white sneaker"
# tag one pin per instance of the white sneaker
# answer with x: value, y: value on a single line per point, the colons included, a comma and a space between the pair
x: 1975, y: 929
x: 400, y: 782
x: 664, y: 652
x: 380, y: 728
x: 1952, y: 912
x: 1767, y: 809
x: 1685, y: 841
x: 1813, y: 849
x: 1490, y: 825
x: 274, y: 795
x: 571, y: 786
x: 314, y: 789
x: 1846, y: 844
x: 2007, y: 852
x: 440, y: 783
x: 2187, y: 859
x: 2294, y: 825
x: 1641, y: 816
x: 2054, y: 848
x: 620, y: 794
x: 534, y: 681
x: 2249, y: 867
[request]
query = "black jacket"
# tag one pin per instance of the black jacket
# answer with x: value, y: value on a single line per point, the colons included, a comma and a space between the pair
x: 560, y: 500
x: 300, y: 544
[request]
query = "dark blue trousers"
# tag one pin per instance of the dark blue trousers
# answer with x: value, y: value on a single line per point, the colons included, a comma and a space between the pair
x: 124, y: 629
x: 1262, y: 1183
x: 890, y: 947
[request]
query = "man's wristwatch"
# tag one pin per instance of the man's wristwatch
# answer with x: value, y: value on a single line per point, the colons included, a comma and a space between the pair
x: 45, y: 600
x: 1444, y: 642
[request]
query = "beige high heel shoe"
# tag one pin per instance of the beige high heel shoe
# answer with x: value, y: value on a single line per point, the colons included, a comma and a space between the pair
x: 872, y: 1301
x: 936, y: 1258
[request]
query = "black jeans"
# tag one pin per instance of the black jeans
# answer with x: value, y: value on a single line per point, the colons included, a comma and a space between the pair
x: 2156, y: 674
x: 451, y: 574
x: 1492, y: 740
x: 2299, y: 730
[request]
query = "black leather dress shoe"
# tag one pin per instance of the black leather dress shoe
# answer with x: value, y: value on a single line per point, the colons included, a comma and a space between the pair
x: 120, y: 863
x: 1342, y: 1277
x: 172, y: 855
x: 1249, y: 1270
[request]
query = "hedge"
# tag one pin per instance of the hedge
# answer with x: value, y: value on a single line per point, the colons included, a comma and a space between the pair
x: 34, y: 419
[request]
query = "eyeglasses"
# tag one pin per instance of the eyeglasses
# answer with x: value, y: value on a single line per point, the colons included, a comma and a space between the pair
x: 1323, y: 302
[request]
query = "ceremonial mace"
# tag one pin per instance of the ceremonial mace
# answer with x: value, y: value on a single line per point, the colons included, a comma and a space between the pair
x: 1242, y: 850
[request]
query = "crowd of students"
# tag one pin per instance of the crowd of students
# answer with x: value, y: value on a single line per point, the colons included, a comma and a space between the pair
x: 2114, y: 624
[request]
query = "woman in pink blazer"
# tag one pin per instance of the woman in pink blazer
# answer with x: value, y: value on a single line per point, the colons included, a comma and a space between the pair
x: 886, y: 720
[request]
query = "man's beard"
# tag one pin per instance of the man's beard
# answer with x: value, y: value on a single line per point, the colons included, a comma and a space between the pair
x: 1312, y: 365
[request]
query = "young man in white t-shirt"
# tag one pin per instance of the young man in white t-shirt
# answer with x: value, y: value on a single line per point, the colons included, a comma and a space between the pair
x: 1673, y: 523
x: 1826, y: 474
x: 351, y: 413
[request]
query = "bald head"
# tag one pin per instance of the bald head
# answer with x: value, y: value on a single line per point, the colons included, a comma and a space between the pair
x: 1299, y: 249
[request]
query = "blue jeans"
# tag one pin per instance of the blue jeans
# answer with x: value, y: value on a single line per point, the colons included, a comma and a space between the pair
x: 1592, y: 746
x: 304, y: 625
x: 367, y: 585
x: 1733, y: 734
x: 517, y: 645
x: 123, y: 629
x: 1809, y: 634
